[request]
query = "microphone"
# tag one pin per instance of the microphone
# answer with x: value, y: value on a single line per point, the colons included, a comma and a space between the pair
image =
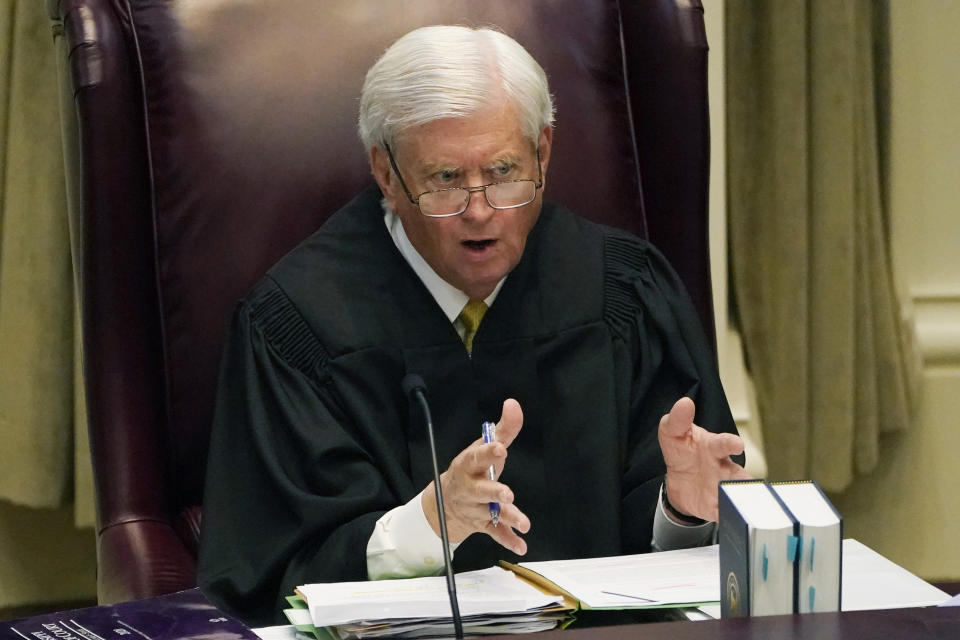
x: 413, y: 385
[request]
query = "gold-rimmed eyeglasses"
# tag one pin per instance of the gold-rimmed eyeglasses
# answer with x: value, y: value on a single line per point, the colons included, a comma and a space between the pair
x: 446, y: 203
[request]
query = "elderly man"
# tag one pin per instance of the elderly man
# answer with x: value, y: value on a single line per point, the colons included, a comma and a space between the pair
x: 576, y: 338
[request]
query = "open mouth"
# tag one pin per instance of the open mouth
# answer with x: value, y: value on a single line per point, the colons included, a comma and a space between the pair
x: 477, y: 245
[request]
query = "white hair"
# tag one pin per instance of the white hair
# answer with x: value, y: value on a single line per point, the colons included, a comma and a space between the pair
x: 450, y: 72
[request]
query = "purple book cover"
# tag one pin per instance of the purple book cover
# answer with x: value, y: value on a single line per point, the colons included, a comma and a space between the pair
x: 183, y: 615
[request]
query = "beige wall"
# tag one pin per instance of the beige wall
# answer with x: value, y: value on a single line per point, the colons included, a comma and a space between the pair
x: 44, y: 558
x: 909, y: 509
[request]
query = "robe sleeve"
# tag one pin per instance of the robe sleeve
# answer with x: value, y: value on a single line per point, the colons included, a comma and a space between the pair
x: 292, y: 493
x: 667, y: 356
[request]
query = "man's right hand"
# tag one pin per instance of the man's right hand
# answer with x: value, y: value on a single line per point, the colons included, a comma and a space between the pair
x: 468, y: 490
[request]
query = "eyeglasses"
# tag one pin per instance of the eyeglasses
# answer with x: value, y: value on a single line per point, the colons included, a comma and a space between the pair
x: 446, y: 203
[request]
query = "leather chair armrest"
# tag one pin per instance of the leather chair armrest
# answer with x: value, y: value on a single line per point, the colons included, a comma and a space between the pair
x: 142, y: 559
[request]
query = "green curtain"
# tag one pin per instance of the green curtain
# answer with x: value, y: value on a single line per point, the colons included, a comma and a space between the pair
x: 44, y: 458
x: 826, y: 340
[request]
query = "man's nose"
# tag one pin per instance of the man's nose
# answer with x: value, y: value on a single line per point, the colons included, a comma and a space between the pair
x: 478, y: 209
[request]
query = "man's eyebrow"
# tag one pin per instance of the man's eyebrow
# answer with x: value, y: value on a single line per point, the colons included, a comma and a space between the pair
x: 508, y: 159
x: 431, y: 168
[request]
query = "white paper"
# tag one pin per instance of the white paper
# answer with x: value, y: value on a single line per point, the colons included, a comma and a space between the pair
x: 870, y: 581
x: 646, y: 579
x: 489, y: 591
x: 952, y: 602
x: 280, y: 632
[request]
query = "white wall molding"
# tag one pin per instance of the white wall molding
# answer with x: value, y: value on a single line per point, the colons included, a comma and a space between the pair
x: 937, y: 320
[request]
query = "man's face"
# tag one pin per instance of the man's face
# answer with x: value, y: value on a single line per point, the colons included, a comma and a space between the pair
x: 476, y: 249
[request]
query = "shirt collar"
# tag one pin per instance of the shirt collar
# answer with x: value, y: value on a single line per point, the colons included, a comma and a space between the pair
x: 450, y: 299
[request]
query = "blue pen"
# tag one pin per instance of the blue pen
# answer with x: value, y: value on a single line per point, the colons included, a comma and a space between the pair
x: 490, y: 435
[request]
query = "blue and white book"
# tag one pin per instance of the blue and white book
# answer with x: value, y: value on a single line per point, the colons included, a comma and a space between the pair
x: 819, y: 545
x: 757, y: 550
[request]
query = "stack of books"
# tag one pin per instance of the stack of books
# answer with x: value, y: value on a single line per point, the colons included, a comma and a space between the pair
x: 780, y: 549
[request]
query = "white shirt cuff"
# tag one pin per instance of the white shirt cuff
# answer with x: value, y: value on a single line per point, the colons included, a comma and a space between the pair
x: 668, y: 534
x: 403, y: 545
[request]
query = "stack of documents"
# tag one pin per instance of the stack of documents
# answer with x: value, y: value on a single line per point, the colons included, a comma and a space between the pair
x: 492, y: 601
x: 668, y: 579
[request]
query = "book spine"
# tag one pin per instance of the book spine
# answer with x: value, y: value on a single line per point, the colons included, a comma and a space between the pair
x: 839, y: 541
x: 794, y: 551
x: 734, y: 560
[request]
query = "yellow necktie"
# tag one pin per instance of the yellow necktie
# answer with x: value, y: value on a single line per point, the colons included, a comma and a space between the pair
x: 471, y: 316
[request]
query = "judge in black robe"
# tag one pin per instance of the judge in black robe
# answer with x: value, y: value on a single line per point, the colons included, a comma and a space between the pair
x: 314, y: 439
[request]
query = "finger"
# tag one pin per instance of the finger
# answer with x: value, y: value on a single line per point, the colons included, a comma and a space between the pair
x: 473, y: 495
x: 514, y: 518
x: 680, y: 419
x: 511, y: 420
x: 487, y: 491
x: 475, y: 514
x: 507, y: 538
x: 505, y: 533
x: 724, y: 444
x: 479, y: 457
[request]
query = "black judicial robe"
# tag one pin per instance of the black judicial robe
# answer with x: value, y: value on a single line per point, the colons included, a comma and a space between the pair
x: 314, y: 440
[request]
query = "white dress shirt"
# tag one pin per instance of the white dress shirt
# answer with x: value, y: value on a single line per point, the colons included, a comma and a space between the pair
x: 403, y: 544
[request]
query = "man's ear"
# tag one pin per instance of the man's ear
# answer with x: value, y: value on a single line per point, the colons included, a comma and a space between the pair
x: 380, y: 166
x: 383, y: 174
x: 545, y: 144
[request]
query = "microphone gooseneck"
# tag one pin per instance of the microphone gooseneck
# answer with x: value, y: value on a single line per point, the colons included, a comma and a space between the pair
x: 413, y: 385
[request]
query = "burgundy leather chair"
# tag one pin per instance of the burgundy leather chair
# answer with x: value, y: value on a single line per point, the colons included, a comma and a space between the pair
x: 206, y: 139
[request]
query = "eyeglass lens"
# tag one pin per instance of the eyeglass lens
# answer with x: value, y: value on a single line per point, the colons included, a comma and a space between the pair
x: 503, y: 195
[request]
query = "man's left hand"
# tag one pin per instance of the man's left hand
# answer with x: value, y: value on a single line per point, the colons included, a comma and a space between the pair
x: 697, y: 460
